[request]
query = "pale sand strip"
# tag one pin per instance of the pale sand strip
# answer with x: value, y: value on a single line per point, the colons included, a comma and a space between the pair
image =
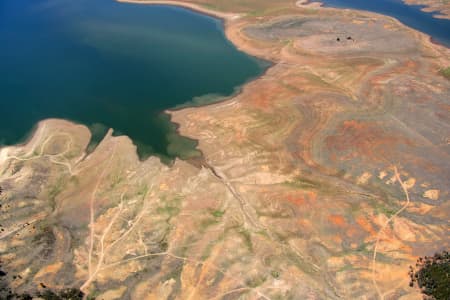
x: 191, y: 6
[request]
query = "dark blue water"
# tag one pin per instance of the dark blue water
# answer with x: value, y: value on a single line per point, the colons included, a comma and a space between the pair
x: 410, y: 15
x: 111, y: 65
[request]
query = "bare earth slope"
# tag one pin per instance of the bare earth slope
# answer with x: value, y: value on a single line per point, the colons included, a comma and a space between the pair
x: 324, y: 179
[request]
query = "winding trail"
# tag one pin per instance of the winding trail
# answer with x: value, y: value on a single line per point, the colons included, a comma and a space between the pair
x: 50, y: 156
x: 198, y: 262
x: 21, y: 226
x: 102, y: 252
x: 41, y: 154
x: 375, y: 251
x: 92, y: 210
x: 103, y: 249
x: 222, y: 178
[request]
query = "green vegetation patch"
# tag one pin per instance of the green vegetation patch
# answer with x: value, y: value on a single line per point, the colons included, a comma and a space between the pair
x: 256, y: 281
x: 169, y: 210
x: 303, y: 183
x: 142, y: 190
x: 247, y: 239
x: 212, y: 219
x: 300, y: 263
x: 445, y: 72
x: 432, y: 275
x: 388, y: 212
x: 275, y: 274
x: 55, y: 190
x: 205, y: 223
x: 115, y: 179
x: 218, y: 213
x: 170, y: 207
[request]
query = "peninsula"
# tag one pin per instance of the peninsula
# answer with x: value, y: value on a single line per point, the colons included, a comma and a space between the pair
x: 325, y: 178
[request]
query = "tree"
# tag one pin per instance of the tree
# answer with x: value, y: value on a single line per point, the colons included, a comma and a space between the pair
x: 432, y: 276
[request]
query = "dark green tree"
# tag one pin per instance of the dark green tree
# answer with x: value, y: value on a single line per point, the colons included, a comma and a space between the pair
x: 432, y: 276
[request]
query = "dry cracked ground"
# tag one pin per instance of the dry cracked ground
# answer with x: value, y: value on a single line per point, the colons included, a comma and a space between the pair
x: 325, y: 178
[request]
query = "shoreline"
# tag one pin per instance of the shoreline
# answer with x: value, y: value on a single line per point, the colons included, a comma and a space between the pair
x: 224, y: 18
x: 307, y: 161
x: 433, y: 8
x: 227, y: 19
x: 32, y: 133
x: 237, y: 90
x: 321, y: 5
x: 190, y: 6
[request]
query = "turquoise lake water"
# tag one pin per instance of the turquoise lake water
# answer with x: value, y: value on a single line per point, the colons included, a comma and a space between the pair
x: 112, y: 65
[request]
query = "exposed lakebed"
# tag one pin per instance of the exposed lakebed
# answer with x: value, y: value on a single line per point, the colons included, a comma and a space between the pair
x: 112, y: 65
x: 410, y: 15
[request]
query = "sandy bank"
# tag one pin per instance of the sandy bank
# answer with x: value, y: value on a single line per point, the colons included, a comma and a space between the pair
x: 191, y: 6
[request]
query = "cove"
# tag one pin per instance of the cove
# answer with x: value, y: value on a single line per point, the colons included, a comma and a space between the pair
x: 112, y: 65
x: 410, y: 15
